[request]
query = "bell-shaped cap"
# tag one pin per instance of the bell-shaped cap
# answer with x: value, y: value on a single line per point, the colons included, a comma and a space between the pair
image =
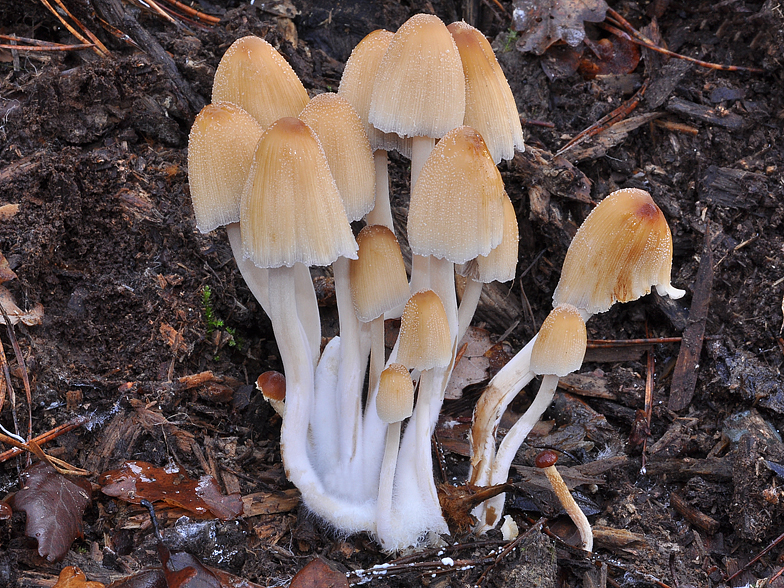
x: 490, y: 105
x: 419, y: 90
x: 291, y: 209
x: 221, y: 145
x: 342, y: 136
x: 395, y: 399
x: 620, y: 252
x: 254, y: 76
x: 560, y: 346
x: 378, y: 275
x: 424, y: 341
x: 456, y: 211
x: 356, y: 86
x: 500, y: 264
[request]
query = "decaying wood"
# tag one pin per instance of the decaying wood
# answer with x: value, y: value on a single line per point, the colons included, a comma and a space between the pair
x: 694, y: 516
x: 676, y: 469
x: 684, y: 378
x: 714, y: 116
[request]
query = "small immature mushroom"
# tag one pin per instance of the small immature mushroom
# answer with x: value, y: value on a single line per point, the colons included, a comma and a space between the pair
x: 546, y: 461
x: 424, y: 344
x: 490, y: 105
x: 559, y: 350
x: 273, y: 387
x: 254, y: 76
x: 394, y: 403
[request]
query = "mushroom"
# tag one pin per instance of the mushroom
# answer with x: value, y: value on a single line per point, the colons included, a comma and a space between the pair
x: 424, y: 344
x: 356, y: 85
x: 419, y: 88
x: 221, y: 145
x: 394, y: 403
x: 497, y: 266
x: 622, y: 250
x: 254, y: 76
x: 291, y: 213
x: 342, y: 136
x: 559, y: 350
x: 546, y: 461
x: 273, y: 387
x: 490, y: 105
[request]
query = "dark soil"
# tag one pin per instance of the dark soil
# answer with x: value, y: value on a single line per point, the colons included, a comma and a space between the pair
x: 94, y: 152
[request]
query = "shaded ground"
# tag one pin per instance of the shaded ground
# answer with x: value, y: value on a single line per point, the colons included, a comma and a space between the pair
x: 94, y: 153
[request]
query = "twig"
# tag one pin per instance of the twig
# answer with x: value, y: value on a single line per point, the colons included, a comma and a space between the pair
x: 755, y: 559
x: 46, y: 437
x: 506, y: 550
x: 85, y: 38
x: 21, y: 362
x: 608, y: 120
x: 605, y: 343
x: 47, y: 48
x: 207, y: 18
x: 637, y: 37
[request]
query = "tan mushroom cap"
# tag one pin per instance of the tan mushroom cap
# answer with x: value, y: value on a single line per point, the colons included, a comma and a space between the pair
x: 378, y: 275
x: 254, y: 76
x: 419, y: 89
x: 272, y: 385
x: 424, y: 341
x: 456, y: 211
x: 395, y: 399
x: 560, y: 346
x: 221, y: 144
x: 490, y: 105
x: 342, y: 136
x: 291, y: 209
x: 623, y: 248
x: 500, y: 264
x: 356, y: 86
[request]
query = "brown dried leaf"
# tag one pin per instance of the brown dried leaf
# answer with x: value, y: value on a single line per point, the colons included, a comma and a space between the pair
x: 137, y: 479
x: 317, y: 574
x: 73, y: 577
x: 544, y: 22
x: 34, y: 317
x: 54, y: 505
x: 6, y: 273
x: 611, y: 56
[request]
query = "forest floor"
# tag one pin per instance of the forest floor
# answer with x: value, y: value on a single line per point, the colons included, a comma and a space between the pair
x: 139, y: 330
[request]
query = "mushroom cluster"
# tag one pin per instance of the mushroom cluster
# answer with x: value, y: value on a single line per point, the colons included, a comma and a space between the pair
x: 287, y: 175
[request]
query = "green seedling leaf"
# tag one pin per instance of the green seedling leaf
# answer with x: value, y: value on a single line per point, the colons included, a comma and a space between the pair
x: 54, y: 505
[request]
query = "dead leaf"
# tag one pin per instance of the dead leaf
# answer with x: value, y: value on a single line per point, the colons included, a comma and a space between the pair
x: 611, y: 56
x: 73, y: 577
x: 8, y: 211
x: 473, y: 364
x: 54, y: 505
x: 317, y: 574
x: 6, y: 273
x: 16, y: 314
x: 136, y: 480
x: 544, y: 22
x: 144, y: 579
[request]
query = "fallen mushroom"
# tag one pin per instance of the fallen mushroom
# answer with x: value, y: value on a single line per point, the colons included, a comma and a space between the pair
x: 546, y: 461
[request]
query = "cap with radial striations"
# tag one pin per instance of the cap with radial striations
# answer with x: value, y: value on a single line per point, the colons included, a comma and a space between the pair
x: 424, y: 342
x: 254, y: 76
x: 560, y: 346
x: 621, y: 251
x: 291, y: 209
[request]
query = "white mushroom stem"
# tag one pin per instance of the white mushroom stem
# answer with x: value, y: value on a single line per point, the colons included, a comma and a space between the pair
x: 571, y: 507
x: 295, y: 355
x: 377, y: 355
x: 468, y: 304
x: 501, y: 390
x: 257, y: 278
x: 382, y: 211
x: 489, y: 512
x: 351, y: 377
x: 324, y: 423
x: 384, y: 507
